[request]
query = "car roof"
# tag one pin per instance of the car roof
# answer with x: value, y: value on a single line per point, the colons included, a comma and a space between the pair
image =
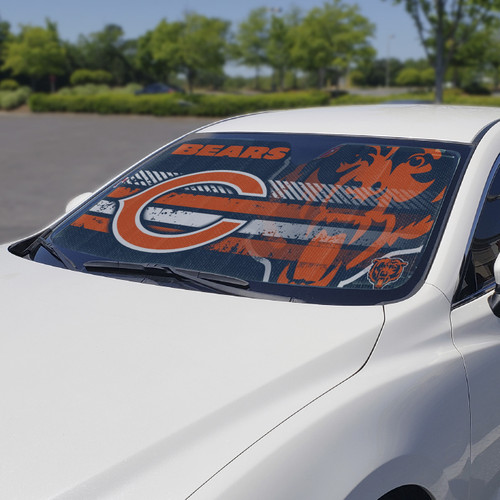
x: 431, y: 122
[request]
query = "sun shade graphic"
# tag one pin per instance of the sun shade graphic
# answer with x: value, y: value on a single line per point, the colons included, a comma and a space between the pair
x: 350, y: 216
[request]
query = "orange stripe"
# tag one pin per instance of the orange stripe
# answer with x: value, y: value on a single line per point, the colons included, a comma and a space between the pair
x: 439, y: 196
x: 234, y: 206
x: 122, y: 192
x: 163, y: 229
x: 93, y: 223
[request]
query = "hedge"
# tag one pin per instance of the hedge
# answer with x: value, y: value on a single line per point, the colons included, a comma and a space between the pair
x: 175, y: 104
x: 9, y: 84
x: 97, y: 89
x: 12, y: 99
x: 83, y: 76
x: 470, y: 100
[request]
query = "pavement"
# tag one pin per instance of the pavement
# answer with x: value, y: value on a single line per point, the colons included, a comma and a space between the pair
x: 47, y: 159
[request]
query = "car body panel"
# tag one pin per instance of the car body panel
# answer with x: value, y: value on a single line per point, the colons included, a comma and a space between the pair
x: 108, y: 380
x: 476, y: 332
x: 403, y: 419
x: 440, y: 123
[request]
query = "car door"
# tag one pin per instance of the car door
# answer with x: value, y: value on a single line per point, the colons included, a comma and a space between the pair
x: 476, y: 333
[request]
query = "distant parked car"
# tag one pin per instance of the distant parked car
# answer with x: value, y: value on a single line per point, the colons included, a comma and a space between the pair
x: 159, y: 88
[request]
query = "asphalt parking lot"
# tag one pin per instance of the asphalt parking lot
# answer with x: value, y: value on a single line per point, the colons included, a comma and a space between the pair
x: 47, y: 159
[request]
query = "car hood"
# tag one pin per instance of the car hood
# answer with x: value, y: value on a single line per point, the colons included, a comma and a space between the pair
x: 112, y: 388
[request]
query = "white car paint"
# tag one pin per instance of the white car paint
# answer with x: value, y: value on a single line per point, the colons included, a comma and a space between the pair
x: 107, y: 379
x: 443, y: 123
x: 217, y: 397
x: 397, y: 421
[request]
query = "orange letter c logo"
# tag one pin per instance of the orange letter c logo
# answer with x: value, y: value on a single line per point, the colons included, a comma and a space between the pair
x: 129, y: 231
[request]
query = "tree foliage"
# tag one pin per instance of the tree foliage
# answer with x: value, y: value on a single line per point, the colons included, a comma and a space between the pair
x: 36, y: 52
x: 152, y: 68
x: 84, y: 76
x: 491, y: 54
x: 251, y: 41
x: 162, y: 48
x: 373, y: 72
x: 202, y: 45
x: 107, y: 50
x: 280, y: 43
x: 330, y: 38
x: 413, y: 77
x: 197, y: 44
x: 445, y: 26
x: 5, y: 36
x: 313, y: 47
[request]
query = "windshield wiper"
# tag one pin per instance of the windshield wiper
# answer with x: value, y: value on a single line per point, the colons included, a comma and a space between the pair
x: 218, y: 282
x: 42, y: 241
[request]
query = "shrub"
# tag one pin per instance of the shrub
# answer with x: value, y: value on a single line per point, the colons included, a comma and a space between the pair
x: 472, y: 100
x: 130, y: 88
x: 83, y: 76
x: 12, y: 99
x: 357, y: 77
x: 174, y: 104
x: 87, y: 89
x: 9, y: 84
x: 95, y: 89
x: 348, y: 99
x: 408, y: 77
x: 476, y: 88
x: 428, y: 77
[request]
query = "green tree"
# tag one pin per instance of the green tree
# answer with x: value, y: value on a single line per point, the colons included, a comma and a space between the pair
x: 194, y: 45
x: 408, y: 77
x: 108, y: 50
x: 160, y: 50
x: 280, y: 42
x: 36, y: 52
x: 251, y: 41
x: 202, y: 46
x: 373, y: 72
x: 412, y: 76
x: 149, y: 67
x: 492, y: 55
x: 5, y: 36
x: 427, y: 77
x: 330, y: 38
x: 478, y: 57
x: 85, y: 76
x: 445, y: 26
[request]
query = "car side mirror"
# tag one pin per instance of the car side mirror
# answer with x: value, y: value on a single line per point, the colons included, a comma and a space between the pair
x: 494, y: 300
x: 76, y: 201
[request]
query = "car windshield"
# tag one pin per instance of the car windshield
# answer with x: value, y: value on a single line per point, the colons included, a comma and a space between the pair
x: 320, y: 218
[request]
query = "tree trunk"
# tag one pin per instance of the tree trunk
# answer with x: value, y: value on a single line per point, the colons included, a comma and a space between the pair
x: 321, y: 77
x: 439, y: 77
x: 257, y: 77
x: 281, y: 79
x: 52, y: 79
x: 496, y: 74
x: 190, y: 79
x: 440, y: 66
x: 456, y: 77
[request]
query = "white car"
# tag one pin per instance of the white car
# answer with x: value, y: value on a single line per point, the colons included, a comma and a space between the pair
x: 294, y: 305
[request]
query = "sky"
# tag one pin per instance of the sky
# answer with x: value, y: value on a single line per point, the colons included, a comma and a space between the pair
x: 395, y: 35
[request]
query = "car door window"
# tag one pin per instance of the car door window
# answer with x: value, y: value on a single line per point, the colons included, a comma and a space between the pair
x: 485, y: 245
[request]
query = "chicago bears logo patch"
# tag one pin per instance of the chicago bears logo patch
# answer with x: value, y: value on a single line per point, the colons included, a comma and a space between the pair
x: 385, y: 270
